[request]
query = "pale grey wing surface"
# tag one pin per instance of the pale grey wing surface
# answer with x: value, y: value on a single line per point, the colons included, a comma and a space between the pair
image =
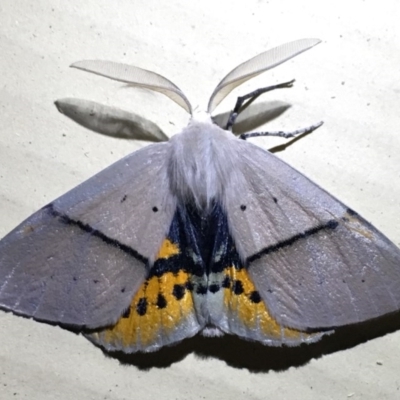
x: 256, y: 65
x: 136, y: 76
x: 80, y: 259
x: 110, y: 121
x: 315, y: 262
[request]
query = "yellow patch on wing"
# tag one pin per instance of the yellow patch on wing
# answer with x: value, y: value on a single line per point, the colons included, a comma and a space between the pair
x: 27, y: 229
x: 156, y: 310
x: 352, y: 222
x: 158, y: 307
x: 167, y: 250
x: 243, y: 299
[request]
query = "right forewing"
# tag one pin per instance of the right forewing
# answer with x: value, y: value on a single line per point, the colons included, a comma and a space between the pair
x: 315, y: 262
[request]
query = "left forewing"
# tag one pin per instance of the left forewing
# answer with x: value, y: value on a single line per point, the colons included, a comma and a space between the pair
x: 80, y: 260
x: 315, y: 262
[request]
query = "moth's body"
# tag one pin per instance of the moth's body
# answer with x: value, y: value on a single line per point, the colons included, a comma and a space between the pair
x: 202, y: 163
x: 202, y: 233
x: 217, y: 266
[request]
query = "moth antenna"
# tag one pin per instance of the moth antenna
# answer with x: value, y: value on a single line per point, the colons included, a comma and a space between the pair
x: 256, y: 65
x: 110, y: 121
x: 137, y: 77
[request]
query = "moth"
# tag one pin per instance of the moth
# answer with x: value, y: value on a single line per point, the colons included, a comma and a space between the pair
x: 204, y: 232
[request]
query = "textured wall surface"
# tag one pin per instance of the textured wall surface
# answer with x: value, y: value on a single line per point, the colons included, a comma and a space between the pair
x: 351, y: 81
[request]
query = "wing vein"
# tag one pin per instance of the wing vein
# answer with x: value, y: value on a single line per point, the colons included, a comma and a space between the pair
x: 330, y: 225
x: 94, y: 232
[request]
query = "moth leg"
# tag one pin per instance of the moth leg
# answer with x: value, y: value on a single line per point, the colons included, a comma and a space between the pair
x: 285, y: 135
x: 239, y: 106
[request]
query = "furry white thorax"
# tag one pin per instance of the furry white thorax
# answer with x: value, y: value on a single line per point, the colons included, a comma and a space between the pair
x: 201, y: 162
x: 200, y: 115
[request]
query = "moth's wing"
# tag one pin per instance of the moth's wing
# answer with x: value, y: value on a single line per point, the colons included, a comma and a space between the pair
x: 168, y: 307
x: 79, y: 260
x: 240, y: 310
x: 110, y: 121
x: 256, y: 65
x: 233, y: 301
x: 315, y: 262
x: 137, y: 77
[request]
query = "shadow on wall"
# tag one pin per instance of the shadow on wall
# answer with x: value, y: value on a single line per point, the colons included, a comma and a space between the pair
x: 239, y: 353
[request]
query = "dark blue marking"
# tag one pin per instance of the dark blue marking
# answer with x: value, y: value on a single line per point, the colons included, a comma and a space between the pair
x: 200, y: 235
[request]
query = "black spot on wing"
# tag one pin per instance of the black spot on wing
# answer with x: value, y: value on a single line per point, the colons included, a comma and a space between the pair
x: 127, y: 313
x: 255, y: 297
x: 178, y: 291
x: 237, y: 287
x: 213, y: 288
x: 161, y: 301
x: 226, y: 283
x: 201, y: 289
x: 141, y: 306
